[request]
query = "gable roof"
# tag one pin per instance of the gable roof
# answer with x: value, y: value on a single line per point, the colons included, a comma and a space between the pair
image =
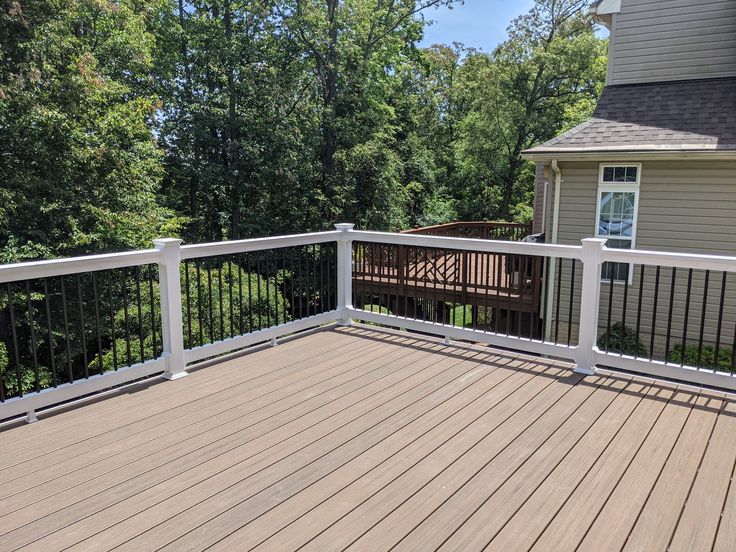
x: 683, y: 116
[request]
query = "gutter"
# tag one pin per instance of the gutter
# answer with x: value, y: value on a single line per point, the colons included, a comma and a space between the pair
x: 553, y: 239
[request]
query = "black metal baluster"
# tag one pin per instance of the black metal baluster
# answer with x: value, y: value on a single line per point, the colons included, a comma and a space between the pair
x: 34, y: 343
x: 610, y: 307
x: 277, y: 289
x: 499, y: 277
x: 65, y: 312
x: 112, y: 322
x: 687, y: 315
x: 250, y: 292
x: 315, y: 293
x: 557, y: 302
x: 16, y: 353
x: 230, y: 294
x: 669, y: 317
x: 283, y: 284
x: 522, y: 276
x: 200, y: 308
x: 638, y: 308
x: 654, y: 313
x: 258, y: 290
x: 189, y: 304
x: 720, y: 318
x: 240, y: 294
x: 82, y: 327
x: 220, y: 298
x: 571, y: 300
x: 623, y: 315
x: 125, y: 315
x: 300, y: 283
x: 154, y: 340
x: 331, y: 271
x: 702, y: 319
x: 208, y: 264
x: 140, y: 312
x: 98, y: 324
x: 52, y: 356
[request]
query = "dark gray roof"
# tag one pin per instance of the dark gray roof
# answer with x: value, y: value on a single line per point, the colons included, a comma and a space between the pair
x: 672, y: 116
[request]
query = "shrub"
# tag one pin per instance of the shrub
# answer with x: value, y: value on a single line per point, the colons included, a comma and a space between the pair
x: 707, y: 357
x: 622, y: 339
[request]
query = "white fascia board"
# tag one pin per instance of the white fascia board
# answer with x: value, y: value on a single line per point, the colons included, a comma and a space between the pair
x: 607, y: 7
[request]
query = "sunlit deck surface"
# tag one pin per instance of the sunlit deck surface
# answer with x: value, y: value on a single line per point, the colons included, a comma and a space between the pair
x: 360, y: 439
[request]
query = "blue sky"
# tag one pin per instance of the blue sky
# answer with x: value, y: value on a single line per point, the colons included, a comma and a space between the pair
x: 478, y: 23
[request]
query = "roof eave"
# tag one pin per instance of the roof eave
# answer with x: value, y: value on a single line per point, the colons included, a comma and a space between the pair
x: 628, y: 155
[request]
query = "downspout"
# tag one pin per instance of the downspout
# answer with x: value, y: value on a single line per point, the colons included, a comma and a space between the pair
x: 553, y: 239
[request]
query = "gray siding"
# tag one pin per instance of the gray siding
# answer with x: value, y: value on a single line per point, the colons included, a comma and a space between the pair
x: 664, y: 40
x: 540, y: 183
x: 683, y: 206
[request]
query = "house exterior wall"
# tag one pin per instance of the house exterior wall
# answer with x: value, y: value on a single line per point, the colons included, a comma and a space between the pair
x: 665, y: 40
x: 540, y: 185
x: 684, y: 206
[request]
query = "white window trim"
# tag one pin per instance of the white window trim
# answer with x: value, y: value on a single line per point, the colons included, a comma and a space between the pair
x: 619, y: 187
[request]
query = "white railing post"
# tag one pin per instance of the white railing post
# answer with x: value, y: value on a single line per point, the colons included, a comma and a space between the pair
x: 592, y: 257
x: 171, y: 317
x: 345, y: 273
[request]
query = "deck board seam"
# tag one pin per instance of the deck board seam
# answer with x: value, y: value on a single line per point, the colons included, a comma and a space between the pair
x: 474, y: 365
x: 511, y: 393
x: 695, y: 477
x: 209, y: 396
x: 440, y: 422
x: 628, y: 465
x: 723, y: 505
x: 356, y: 367
x: 111, y: 403
x: 218, y: 376
x: 470, y: 368
x: 230, y: 435
x: 475, y: 355
x: 572, y: 447
x: 474, y: 445
x: 659, y: 475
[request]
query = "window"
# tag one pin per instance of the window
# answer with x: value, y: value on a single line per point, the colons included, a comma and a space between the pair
x: 618, y: 202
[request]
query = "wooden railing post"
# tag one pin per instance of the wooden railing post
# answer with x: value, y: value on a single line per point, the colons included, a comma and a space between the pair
x: 592, y: 257
x: 171, y: 317
x: 344, y: 273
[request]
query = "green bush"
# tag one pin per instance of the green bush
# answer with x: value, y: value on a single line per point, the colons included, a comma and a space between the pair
x: 622, y: 339
x: 707, y: 357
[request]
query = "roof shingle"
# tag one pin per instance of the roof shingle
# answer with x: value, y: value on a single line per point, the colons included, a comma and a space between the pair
x: 672, y: 116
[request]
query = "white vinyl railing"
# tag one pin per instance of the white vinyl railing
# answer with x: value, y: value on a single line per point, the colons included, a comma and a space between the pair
x: 173, y: 359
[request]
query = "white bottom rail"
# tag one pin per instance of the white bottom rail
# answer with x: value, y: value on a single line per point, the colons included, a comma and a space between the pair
x: 69, y: 391
x: 453, y: 332
x: 669, y: 371
x: 267, y: 334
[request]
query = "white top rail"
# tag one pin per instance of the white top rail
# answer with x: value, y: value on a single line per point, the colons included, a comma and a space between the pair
x: 75, y: 265
x: 472, y: 244
x: 256, y: 244
x: 677, y: 260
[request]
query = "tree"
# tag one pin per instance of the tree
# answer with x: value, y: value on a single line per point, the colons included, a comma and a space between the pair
x: 80, y: 167
x: 547, y: 75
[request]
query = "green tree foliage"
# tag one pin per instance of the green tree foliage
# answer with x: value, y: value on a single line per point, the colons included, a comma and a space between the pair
x: 215, y: 311
x: 80, y: 167
x: 702, y: 358
x: 543, y: 80
x: 622, y: 339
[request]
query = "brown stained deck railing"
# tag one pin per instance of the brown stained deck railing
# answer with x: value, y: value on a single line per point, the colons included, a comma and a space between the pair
x: 483, y: 230
x: 404, y: 278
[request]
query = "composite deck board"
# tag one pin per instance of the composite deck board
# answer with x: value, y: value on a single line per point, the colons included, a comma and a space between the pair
x: 362, y: 439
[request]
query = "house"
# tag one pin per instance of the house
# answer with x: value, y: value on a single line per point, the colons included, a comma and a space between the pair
x: 654, y: 168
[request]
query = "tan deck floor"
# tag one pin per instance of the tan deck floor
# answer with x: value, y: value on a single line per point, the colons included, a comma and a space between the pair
x: 362, y: 440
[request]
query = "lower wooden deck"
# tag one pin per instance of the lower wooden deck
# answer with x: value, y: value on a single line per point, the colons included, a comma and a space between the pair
x: 363, y: 440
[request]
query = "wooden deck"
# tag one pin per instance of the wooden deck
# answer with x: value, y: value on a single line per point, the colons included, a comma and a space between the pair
x: 363, y: 440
